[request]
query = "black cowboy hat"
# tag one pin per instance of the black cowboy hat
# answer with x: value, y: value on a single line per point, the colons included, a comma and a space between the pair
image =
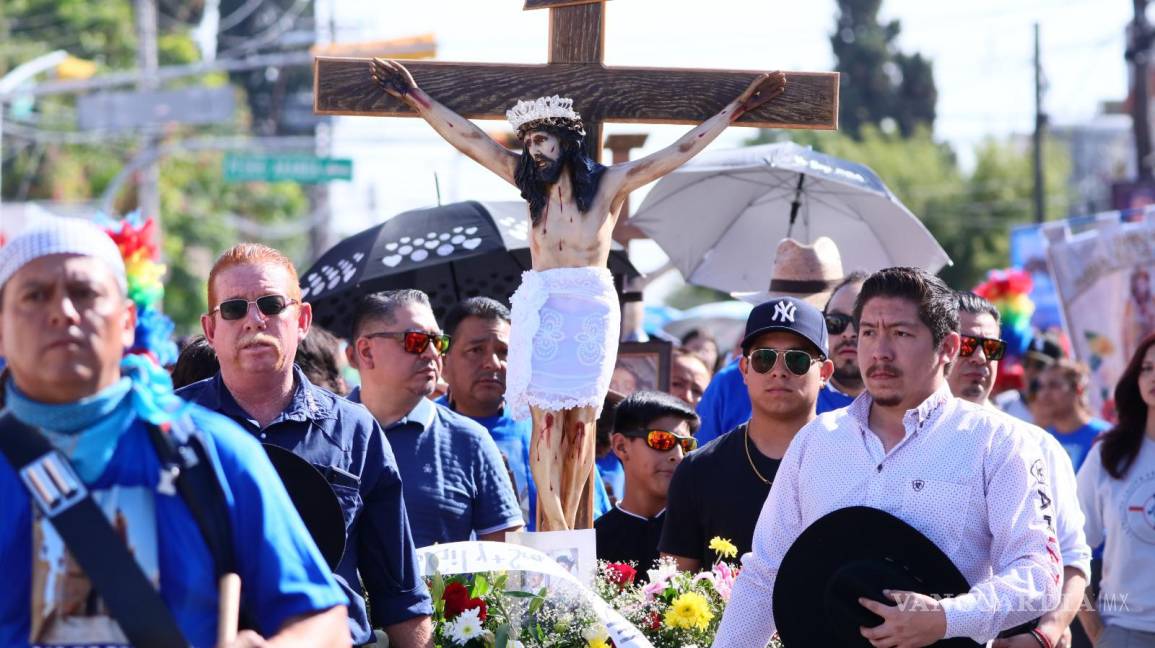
x: 851, y: 553
x: 315, y: 502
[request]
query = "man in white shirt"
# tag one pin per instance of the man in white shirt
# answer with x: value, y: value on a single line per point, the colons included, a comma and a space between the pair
x: 971, y: 377
x: 963, y: 476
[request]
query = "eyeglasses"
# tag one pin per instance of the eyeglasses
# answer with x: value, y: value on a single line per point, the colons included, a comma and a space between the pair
x: 415, y: 342
x: 269, y: 305
x: 797, y: 361
x: 993, y: 348
x: 836, y: 323
x: 664, y: 440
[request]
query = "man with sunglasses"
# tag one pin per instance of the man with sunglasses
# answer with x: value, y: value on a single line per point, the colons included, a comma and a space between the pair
x: 972, y: 376
x: 718, y: 490
x: 1042, y: 352
x: 653, y: 432
x: 255, y: 323
x: 964, y: 476
x: 456, y: 484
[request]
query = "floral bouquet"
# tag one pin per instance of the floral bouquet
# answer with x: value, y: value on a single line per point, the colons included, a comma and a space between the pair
x: 482, y: 610
x: 675, y: 609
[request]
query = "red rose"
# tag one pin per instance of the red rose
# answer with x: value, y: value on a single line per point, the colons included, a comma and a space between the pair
x: 457, y: 600
x: 621, y: 574
x: 655, y: 621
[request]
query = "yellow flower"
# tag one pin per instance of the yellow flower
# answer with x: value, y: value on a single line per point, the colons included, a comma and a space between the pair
x: 723, y: 547
x: 597, y: 643
x: 690, y: 610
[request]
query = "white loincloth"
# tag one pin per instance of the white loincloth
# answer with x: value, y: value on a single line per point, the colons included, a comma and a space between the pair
x: 563, y: 340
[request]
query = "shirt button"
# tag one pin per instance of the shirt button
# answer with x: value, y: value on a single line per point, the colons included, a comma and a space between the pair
x: 262, y: 435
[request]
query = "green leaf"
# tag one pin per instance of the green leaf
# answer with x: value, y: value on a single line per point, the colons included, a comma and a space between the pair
x: 501, y: 636
x: 480, y: 586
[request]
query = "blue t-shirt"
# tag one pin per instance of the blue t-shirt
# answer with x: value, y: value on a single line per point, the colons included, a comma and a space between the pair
x: 282, y: 572
x: 346, y: 445
x: 726, y: 403
x: 455, y: 482
x: 612, y: 471
x: 1078, y: 443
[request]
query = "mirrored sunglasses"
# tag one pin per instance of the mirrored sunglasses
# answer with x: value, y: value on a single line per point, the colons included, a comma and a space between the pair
x: 797, y: 361
x: 415, y: 342
x: 993, y: 348
x: 664, y: 440
x: 269, y: 305
x: 836, y: 323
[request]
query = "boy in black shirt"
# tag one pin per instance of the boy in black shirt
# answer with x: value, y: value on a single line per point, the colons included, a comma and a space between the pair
x: 718, y: 491
x: 652, y: 433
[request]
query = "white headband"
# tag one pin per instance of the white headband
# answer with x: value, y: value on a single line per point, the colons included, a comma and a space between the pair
x: 61, y: 236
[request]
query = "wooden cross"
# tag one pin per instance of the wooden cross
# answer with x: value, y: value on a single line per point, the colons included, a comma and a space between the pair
x: 342, y: 86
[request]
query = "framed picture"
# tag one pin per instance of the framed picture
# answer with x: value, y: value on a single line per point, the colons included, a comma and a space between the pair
x: 642, y: 366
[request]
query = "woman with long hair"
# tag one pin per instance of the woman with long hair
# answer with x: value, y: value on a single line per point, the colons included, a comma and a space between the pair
x: 1117, y: 493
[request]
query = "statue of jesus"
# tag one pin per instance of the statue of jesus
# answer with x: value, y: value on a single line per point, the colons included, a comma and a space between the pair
x: 566, y: 318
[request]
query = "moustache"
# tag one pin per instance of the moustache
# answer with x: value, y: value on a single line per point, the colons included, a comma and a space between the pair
x: 891, y: 370
x: 260, y: 339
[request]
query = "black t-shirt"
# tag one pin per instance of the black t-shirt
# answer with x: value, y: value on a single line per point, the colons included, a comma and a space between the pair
x: 715, y: 493
x: 625, y: 537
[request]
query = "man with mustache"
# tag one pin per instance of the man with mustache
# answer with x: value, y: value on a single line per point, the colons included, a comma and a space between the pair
x: 972, y: 377
x: 966, y: 477
x: 846, y: 382
x: 717, y: 491
x: 566, y: 316
x: 456, y: 485
x: 255, y: 324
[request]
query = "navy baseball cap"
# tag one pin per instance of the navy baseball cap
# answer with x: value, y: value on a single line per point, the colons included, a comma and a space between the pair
x: 787, y: 314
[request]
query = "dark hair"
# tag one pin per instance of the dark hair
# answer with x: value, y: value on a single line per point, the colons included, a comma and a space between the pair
x: 196, y: 362
x: 642, y: 408
x: 969, y: 302
x: 1121, y: 443
x: 319, y: 356
x: 480, y: 307
x: 695, y: 333
x: 854, y: 277
x: 383, y: 306
x: 937, y: 306
x: 585, y: 173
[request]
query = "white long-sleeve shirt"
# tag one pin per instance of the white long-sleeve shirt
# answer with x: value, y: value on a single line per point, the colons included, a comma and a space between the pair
x: 1069, y: 519
x: 965, y: 477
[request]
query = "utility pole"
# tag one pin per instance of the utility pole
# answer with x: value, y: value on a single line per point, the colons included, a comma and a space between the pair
x: 1138, y: 52
x: 148, y: 182
x: 1040, y: 126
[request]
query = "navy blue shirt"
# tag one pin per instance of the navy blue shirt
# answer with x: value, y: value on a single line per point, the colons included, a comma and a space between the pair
x: 344, y: 442
x: 455, y: 481
x: 726, y: 403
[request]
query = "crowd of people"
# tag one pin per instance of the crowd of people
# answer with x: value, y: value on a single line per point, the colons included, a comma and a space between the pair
x: 862, y: 390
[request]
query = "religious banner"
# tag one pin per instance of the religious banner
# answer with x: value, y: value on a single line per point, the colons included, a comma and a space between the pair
x: 1103, y: 278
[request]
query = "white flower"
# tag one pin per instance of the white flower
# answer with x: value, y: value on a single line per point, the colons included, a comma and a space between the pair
x: 596, y: 632
x: 514, y: 643
x: 665, y: 571
x: 466, y: 627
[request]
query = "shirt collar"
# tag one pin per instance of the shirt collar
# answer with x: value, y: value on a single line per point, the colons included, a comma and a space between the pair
x: 422, y: 415
x: 640, y: 517
x: 913, y: 419
x: 308, y: 402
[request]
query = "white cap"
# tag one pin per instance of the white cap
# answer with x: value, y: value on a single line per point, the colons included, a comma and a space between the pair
x: 61, y: 236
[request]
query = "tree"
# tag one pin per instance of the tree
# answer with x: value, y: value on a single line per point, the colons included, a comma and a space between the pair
x: 879, y: 85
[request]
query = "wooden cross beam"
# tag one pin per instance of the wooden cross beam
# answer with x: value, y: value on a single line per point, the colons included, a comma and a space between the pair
x: 342, y: 86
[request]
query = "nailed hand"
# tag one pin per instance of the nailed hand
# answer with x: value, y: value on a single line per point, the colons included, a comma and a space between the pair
x: 392, y: 77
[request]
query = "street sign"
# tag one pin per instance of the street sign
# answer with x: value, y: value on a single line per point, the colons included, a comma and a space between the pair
x: 150, y: 108
x: 305, y: 169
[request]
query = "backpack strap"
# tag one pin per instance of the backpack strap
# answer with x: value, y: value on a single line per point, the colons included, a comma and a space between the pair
x: 62, y: 498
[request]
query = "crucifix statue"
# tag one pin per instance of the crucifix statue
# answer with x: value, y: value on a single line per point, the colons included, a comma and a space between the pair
x: 566, y: 318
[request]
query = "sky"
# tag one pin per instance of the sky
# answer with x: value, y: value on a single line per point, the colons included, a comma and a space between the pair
x: 981, y: 51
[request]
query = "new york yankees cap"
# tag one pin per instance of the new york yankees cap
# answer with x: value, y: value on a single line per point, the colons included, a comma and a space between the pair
x: 787, y: 314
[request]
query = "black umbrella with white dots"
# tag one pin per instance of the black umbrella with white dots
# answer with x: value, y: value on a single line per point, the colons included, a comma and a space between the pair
x: 451, y: 252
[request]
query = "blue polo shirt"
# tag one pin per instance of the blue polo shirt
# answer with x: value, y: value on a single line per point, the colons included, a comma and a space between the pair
x: 1078, y: 443
x: 726, y: 403
x: 456, y: 484
x: 513, y: 439
x: 283, y: 573
x: 344, y: 442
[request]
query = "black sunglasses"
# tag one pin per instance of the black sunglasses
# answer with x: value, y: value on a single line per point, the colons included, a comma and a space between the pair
x: 269, y: 305
x: 993, y: 348
x: 836, y: 323
x: 797, y: 361
x: 415, y: 342
x: 664, y: 440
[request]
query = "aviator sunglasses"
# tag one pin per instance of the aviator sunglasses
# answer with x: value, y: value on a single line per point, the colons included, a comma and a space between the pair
x: 415, y: 342
x: 993, y: 348
x: 269, y: 305
x: 664, y: 440
x: 797, y: 361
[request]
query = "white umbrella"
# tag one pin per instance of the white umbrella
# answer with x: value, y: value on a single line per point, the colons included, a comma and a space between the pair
x: 720, y: 217
x: 726, y: 320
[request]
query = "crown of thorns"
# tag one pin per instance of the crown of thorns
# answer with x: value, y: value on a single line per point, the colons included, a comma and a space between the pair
x: 553, y: 111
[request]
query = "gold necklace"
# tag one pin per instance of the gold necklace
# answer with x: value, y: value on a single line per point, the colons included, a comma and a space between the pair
x: 749, y: 458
